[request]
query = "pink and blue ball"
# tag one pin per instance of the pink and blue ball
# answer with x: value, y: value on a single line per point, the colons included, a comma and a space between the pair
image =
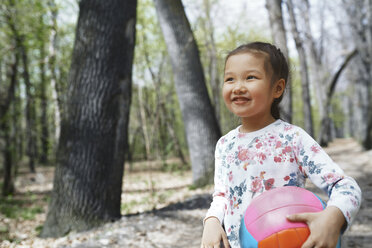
x: 265, y: 225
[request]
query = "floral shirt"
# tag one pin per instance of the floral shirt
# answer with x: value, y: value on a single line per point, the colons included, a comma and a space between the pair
x: 280, y: 154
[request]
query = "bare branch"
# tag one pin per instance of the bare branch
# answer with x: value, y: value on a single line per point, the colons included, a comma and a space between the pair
x: 335, y: 77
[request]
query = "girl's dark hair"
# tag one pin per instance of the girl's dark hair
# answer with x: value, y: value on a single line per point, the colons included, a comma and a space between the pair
x: 275, y: 62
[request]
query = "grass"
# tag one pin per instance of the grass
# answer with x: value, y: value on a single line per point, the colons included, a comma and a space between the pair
x: 14, y: 208
x: 148, y: 202
x: 175, y: 167
x: 20, y: 208
x: 38, y: 229
x: 126, y: 207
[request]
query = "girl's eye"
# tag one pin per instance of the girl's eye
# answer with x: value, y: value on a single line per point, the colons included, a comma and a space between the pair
x: 251, y: 77
x: 229, y: 79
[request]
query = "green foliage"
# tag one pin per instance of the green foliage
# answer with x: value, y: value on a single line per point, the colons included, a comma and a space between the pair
x: 28, y: 25
x: 153, y: 92
x: 193, y: 187
x: 38, y: 229
x: 15, y: 208
x: 126, y: 207
x: 3, y: 229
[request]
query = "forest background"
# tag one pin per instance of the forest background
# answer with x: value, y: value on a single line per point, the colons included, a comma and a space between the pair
x: 49, y: 58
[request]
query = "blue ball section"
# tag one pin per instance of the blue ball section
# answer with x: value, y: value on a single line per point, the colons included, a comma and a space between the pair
x: 246, y: 239
x: 339, y: 243
x: 321, y: 201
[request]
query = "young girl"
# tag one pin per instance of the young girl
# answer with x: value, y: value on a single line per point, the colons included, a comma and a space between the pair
x: 265, y: 152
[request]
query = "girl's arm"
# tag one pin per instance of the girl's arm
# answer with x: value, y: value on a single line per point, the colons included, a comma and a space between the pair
x: 213, y: 232
x: 324, y: 227
x: 219, y: 203
x: 343, y: 192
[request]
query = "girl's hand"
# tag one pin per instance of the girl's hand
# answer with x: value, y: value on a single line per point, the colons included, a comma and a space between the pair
x: 213, y: 234
x: 325, y: 227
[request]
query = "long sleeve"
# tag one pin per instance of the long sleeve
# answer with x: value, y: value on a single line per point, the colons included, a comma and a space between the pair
x: 343, y: 191
x: 219, y: 203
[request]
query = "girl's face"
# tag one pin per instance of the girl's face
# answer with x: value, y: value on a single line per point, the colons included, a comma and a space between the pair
x: 247, y: 89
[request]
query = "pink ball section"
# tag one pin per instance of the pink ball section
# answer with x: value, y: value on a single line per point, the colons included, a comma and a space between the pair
x: 267, y: 212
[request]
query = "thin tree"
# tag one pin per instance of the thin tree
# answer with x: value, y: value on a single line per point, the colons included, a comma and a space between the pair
x: 359, y: 16
x: 53, y: 68
x: 308, y: 119
x: 41, y: 35
x: 331, y: 86
x: 90, y: 158
x: 5, y: 121
x: 19, y: 37
x: 325, y: 82
x: 212, y: 56
x: 202, y: 131
x: 279, y: 37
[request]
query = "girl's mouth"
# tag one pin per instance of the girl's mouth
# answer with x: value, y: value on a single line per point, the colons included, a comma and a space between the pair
x: 240, y: 99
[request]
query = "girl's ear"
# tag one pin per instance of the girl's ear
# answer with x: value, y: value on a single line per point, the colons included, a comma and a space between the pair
x: 279, y: 87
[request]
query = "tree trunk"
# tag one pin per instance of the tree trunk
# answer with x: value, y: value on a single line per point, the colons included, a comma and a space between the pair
x: 8, y: 184
x: 360, y: 17
x: 31, y: 148
x: 367, y: 143
x: 154, y: 115
x: 43, y: 99
x: 143, y: 123
x: 171, y: 130
x: 213, y: 60
x: 278, y: 34
x: 30, y: 116
x: 52, y: 68
x: 17, y: 132
x: 308, y: 119
x: 317, y: 72
x: 90, y: 158
x: 202, y: 131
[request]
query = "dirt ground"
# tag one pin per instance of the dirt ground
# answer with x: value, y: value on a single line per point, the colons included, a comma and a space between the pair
x: 161, y: 210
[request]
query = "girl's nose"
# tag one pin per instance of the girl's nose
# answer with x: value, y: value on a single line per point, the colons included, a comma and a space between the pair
x: 239, y: 88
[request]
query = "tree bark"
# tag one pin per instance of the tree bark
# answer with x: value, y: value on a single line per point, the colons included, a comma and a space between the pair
x: 316, y: 64
x: 308, y: 119
x: 31, y: 148
x: 278, y: 34
x: 202, y: 131
x: 171, y: 130
x: 213, y: 61
x: 53, y: 73
x: 43, y: 97
x: 90, y: 158
x: 8, y: 184
x: 143, y: 123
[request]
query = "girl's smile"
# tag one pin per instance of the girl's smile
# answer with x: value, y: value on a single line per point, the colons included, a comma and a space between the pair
x: 240, y: 100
